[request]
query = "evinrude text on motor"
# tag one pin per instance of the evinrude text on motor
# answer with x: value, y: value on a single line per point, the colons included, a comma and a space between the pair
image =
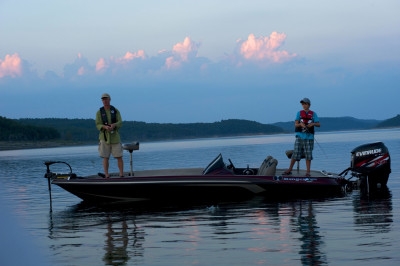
x: 370, y: 163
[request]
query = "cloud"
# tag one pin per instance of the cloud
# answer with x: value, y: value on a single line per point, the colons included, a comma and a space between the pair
x: 139, y: 62
x: 130, y: 56
x: 79, y: 68
x: 182, y: 58
x: 181, y: 52
x: 11, y: 66
x: 81, y: 71
x: 265, y: 48
x: 178, y: 85
x: 103, y: 64
x: 132, y: 65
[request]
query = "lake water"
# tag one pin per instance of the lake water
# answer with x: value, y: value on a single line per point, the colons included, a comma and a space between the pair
x: 347, y: 230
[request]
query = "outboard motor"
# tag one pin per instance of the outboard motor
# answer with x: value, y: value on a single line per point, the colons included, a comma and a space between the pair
x: 371, y: 164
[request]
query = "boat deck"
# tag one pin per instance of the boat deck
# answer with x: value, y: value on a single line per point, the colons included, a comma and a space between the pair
x: 199, y: 171
x: 302, y: 172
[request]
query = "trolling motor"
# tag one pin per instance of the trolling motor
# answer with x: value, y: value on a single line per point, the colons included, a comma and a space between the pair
x: 50, y: 175
x: 370, y: 163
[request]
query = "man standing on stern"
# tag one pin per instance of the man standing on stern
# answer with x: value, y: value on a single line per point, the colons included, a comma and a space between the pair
x: 304, y: 125
x: 108, y: 122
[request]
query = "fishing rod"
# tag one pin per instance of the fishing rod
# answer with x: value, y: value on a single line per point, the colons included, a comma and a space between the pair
x: 307, y: 131
x: 320, y: 147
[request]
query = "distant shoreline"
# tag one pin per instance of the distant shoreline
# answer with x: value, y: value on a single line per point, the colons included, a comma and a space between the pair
x: 24, y: 145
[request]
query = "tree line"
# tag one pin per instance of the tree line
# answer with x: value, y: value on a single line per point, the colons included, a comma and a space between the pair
x: 12, y: 130
x: 84, y: 130
x: 391, y: 122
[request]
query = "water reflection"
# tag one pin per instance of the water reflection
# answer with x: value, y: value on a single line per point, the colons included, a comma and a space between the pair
x: 116, y: 243
x: 122, y: 238
x: 122, y: 242
x: 299, y: 218
x: 374, y: 214
x: 310, y: 236
x: 261, y: 231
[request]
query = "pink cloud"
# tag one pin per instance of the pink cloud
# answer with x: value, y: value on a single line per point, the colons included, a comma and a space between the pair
x: 265, y: 48
x: 11, y: 66
x: 170, y: 62
x: 181, y: 53
x: 184, y: 48
x: 81, y: 71
x: 130, y: 56
x: 103, y: 64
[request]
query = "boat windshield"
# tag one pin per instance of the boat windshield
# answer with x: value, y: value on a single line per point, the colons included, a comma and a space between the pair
x: 217, y: 163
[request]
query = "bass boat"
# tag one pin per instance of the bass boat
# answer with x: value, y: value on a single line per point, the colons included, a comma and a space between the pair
x: 369, y: 168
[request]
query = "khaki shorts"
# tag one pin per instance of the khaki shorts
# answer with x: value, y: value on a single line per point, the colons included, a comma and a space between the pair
x: 106, y: 149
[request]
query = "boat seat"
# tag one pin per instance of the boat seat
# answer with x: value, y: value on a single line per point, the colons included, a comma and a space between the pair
x: 131, y: 146
x: 268, y: 166
x: 289, y: 154
x: 134, y: 146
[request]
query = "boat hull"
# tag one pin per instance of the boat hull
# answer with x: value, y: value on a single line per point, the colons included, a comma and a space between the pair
x: 175, y: 187
x: 370, y: 164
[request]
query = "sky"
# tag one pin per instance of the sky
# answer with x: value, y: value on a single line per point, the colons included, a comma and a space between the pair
x: 200, y: 61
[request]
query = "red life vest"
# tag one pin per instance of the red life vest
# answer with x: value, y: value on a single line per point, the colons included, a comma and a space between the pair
x: 306, y: 118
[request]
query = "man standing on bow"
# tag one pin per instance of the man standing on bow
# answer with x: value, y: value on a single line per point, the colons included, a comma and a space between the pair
x: 304, y: 125
x: 108, y: 122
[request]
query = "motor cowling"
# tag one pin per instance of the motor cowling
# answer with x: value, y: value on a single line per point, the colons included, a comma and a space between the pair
x: 372, y: 160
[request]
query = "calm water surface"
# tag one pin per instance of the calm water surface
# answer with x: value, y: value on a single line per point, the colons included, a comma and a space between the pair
x: 347, y: 230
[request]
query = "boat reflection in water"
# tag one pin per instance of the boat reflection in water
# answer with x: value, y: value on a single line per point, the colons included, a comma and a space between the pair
x: 256, y: 228
x: 122, y: 238
x: 116, y: 243
x: 311, y: 239
x: 374, y: 214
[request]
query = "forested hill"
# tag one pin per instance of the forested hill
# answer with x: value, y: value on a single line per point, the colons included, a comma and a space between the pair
x: 337, y: 123
x: 84, y: 130
x: 392, y: 122
x: 13, y: 130
x: 351, y: 123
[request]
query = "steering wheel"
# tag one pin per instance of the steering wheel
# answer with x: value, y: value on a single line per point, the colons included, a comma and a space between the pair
x: 248, y: 171
x: 231, y: 166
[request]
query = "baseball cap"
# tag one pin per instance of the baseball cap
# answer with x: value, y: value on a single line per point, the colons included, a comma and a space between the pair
x: 306, y: 100
x: 105, y: 95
